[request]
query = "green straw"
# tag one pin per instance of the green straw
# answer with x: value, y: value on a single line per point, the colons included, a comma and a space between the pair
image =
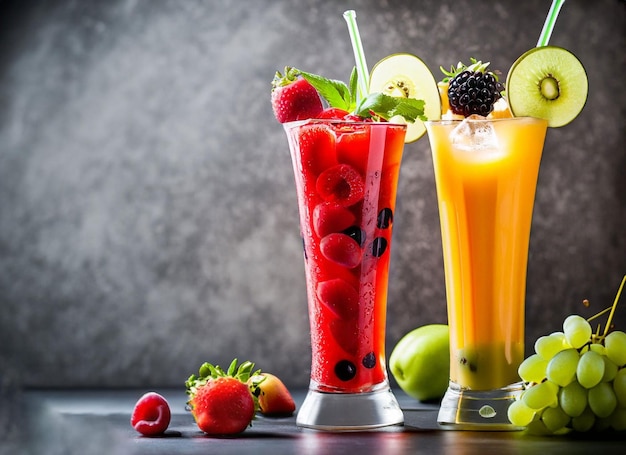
x: 359, y: 55
x: 548, y: 25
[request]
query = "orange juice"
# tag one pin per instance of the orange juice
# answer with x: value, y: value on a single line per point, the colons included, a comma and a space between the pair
x: 486, y: 191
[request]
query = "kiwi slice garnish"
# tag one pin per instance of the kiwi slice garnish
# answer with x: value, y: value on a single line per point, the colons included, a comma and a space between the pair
x: 547, y: 82
x: 407, y: 76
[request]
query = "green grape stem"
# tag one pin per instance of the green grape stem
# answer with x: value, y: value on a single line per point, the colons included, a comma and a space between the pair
x: 596, y: 337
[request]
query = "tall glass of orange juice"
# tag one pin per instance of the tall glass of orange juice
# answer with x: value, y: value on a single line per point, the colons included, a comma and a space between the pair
x: 486, y: 174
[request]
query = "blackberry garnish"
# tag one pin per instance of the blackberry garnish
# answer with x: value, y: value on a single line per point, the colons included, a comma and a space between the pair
x: 472, y: 90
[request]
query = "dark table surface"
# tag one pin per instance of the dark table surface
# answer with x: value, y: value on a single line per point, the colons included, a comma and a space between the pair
x: 97, y: 422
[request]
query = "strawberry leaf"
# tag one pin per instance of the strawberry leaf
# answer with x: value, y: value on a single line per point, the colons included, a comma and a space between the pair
x: 208, y: 372
x: 232, y: 367
x: 245, y: 371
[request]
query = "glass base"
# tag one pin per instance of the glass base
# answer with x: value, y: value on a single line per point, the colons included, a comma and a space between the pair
x: 464, y: 409
x: 349, y: 411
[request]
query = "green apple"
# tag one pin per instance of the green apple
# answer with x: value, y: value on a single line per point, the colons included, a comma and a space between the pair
x: 420, y: 362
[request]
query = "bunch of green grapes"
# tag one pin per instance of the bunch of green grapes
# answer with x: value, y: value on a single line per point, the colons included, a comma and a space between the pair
x: 576, y: 380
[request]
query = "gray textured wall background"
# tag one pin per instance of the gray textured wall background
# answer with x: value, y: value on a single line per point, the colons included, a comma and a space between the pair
x: 148, y: 218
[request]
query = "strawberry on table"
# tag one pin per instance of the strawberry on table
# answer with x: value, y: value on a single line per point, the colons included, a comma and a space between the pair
x: 221, y: 402
x: 293, y: 97
x: 151, y: 415
x: 273, y: 396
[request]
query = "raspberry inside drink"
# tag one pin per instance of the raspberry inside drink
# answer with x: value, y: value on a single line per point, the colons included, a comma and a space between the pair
x: 346, y: 179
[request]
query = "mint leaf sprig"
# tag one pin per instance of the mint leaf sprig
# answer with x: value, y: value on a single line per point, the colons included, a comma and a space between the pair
x: 385, y: 106
x: 376, y: 106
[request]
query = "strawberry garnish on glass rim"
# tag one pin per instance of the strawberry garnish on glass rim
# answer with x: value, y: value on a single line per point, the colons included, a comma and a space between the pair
x: 293, y: 97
